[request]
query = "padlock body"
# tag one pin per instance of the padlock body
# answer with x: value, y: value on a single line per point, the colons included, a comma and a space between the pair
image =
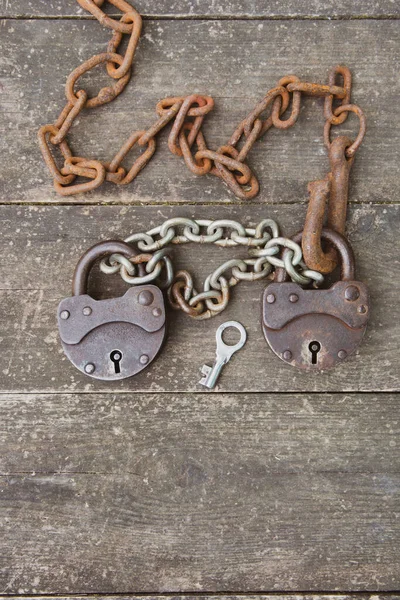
x: 315, y: 329
x: 95, y: 332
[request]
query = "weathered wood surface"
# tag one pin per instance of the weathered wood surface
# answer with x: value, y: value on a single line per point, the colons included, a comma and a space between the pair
x: 210, y: 8
x: 41, y: 246
x: 107, y: 491
x: 175, y: 492
x: 235, y: 62
x: 275, y: 596
x: 302, y: 596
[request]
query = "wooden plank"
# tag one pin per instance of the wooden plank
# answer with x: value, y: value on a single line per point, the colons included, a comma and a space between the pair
x: 111, y: 533
x: 257, y: 596
x: 209, y: 8
x: 42, y: 245
x: 235, y: 62
x: 77, y: 434
x: 297, y: 596
x: 171, y: 493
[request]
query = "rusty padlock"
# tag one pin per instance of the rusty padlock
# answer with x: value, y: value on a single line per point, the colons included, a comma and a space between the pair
x: 116, y: 338
x: 314, y: 329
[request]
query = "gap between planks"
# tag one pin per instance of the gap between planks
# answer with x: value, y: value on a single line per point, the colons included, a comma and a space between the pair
x: 123, y: 392
x: 227, y: 595
x: 237, y: 203
x: 211, y: 17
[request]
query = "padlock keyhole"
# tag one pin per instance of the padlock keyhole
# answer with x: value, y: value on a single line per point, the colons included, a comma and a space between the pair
x: 116, y: 357
x: 314, y: 348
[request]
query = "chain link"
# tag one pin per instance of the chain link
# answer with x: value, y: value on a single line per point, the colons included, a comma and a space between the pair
x: 186, y: 138
x: 263, y: 243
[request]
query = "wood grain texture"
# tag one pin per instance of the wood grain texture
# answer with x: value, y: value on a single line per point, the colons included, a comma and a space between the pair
x: 43, y: 244
x: 277, y: 596
x: 179, y: 493
x: 258, y: 596
x: 126, y: 489
x: 74, y: 434
x: 210, y: 8
x: 234, y: 61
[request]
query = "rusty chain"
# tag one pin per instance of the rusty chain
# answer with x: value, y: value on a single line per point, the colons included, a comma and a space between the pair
x: 187, y: 139
x: 263, y: 243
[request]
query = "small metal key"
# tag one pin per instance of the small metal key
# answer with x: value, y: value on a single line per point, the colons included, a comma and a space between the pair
x: 223, y: 354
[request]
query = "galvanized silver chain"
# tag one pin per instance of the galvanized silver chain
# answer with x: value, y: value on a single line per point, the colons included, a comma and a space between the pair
x: 264, y: 243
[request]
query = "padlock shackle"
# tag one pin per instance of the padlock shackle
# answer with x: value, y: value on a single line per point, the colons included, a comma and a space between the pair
x: 338, y: 241
x: 86, y: 262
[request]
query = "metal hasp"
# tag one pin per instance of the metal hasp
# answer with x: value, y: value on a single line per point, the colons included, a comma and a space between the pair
x: 333, y: 192
x: 314, y: 329
x: 115, y: 338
